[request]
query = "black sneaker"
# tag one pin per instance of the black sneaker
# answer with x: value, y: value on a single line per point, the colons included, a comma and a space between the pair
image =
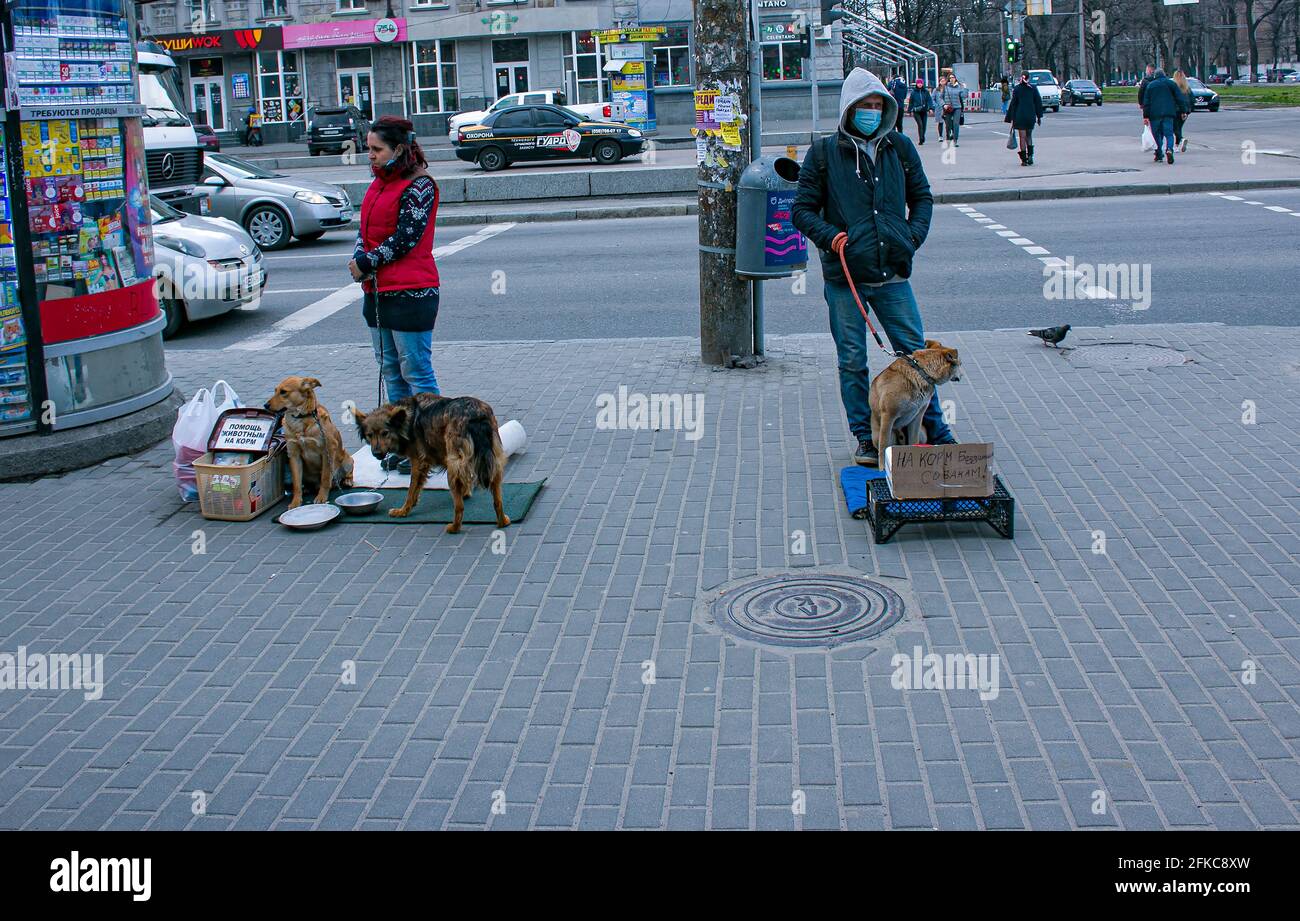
x: 1169, y: 156
x: 404, y: 465
x: 866, y: 455
x: 950, y: 440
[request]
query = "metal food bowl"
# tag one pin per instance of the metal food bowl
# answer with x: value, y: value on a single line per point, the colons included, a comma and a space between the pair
x: 310, y: 517
x: 359, y: 503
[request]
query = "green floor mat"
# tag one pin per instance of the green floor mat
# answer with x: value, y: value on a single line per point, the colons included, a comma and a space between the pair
x: 434, y: 506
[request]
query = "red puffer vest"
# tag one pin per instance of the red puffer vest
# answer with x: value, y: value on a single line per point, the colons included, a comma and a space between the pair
x: 379, y: 211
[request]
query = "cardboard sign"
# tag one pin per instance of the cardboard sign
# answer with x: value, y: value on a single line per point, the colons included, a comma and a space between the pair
x: 244, y: 434
x: 940, y: 471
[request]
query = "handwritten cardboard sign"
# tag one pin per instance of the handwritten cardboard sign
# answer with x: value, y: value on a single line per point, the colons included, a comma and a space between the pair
x: 940, y: 471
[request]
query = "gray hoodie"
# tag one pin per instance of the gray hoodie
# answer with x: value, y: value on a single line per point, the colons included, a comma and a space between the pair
x: 858, y: 85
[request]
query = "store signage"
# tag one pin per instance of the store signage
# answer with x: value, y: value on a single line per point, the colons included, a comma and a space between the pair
x: 772, y: 4
x: 111, y: 110
x: 628, y: 52
x: 357, y: 32
x: 639, y: 34
x: 241, y: 84
x: 229, y: 41
x: 779, y: 31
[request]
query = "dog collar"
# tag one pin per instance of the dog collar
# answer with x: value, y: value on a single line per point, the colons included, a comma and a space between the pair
x: 310, y: 415
x: 919, y: 370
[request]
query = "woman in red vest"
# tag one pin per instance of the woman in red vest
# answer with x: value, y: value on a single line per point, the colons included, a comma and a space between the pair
x: 393, y: 258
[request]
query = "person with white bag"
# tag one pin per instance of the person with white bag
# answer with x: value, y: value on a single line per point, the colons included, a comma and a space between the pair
x: 194, y: 423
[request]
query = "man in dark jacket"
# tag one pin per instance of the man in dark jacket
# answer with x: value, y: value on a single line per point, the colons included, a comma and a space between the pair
x: 1142, y: 84
x: 863, y: 193
x: 1161, y: 104
x: 898, y: 89
x: 919, y: 103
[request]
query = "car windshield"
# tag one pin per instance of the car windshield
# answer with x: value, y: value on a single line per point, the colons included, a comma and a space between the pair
x: 162, y: 101
x: 1040, y: 78
x: 242, y: 169
x: 1084, y: 84
x: 330, y: 119
x: 572, y: 114
x: 162, y: 212
x: 1195, y: 84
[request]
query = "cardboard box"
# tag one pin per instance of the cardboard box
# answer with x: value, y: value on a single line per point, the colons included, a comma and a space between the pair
x: 940, y: 471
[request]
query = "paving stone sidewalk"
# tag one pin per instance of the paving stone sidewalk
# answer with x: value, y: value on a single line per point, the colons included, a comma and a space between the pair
x: 1126, y: 677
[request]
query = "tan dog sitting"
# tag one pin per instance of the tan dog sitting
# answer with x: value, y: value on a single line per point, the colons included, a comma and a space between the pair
x: 316, y: 454
x: 901, y: 393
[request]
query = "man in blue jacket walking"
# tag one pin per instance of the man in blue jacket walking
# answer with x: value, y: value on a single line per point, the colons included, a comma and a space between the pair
x: 863, y: 193
x: 1161, y: 104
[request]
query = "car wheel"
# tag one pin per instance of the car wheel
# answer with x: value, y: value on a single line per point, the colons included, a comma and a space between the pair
x: 311, y: 237
x: 268, y: 226
x: 608, y: 152
x: 1214, y: 107
x: 1056, y: 108
x: 491, y: 159
x: 315, y: 151
x: 174, y: 311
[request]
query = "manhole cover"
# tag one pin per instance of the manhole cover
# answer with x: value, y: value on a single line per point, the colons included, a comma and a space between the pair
x: 807, y: 609
x: 1126, y: 355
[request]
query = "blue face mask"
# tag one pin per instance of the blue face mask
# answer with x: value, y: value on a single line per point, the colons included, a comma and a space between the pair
x: 866, y: 120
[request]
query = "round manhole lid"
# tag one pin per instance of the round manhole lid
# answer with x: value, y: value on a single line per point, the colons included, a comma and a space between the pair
x: 800, y: 609
x: 1126, y: 355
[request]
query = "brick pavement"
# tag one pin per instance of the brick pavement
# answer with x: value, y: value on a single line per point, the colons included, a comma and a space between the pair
x: 522, y: 673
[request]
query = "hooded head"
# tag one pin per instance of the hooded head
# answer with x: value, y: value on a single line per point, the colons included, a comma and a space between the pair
x: 858, y: 85
x: 1160, y: 74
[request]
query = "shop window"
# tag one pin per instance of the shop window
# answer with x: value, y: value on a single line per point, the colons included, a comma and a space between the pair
x: 202, y: 13
x: 351, y: 6
x: 509, y: 50
x: 434, y: 77
x: 781, y: 60
x: 280, y: 86
x: 583, y: 56
x: 673, y: 57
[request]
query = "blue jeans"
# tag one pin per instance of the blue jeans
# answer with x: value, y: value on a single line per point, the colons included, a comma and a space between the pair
x: 407, y: 361
x: 900, y: 319
x: 1163, y: 130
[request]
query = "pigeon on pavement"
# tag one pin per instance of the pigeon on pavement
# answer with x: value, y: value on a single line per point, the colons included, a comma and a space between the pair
x: 1052, y: 334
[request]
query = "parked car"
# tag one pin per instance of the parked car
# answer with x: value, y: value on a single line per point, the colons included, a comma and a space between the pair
x: 272, y: 207
x: 594, y: 111
x: 1047, y: 88
x: 1203, y: 96
x: 338, y: 129
x: 1077, y: 91
x: 204, y: 266
x: 207, y: 137
x: 544, y: 133
x: 1292, y: 77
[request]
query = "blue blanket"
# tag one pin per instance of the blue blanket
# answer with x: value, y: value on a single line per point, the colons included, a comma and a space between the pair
x: 854, y: 480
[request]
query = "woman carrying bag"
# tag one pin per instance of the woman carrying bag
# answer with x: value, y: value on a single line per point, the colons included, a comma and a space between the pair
x: 1186, y: 104
x: 919, y: 103
x: 1024, y: 111
x: 393, y: 259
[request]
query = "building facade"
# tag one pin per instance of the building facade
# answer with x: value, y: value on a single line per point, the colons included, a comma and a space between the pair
x: 426, y: 59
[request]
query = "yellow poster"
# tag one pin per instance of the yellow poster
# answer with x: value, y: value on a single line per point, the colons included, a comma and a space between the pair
x: 731, y: 135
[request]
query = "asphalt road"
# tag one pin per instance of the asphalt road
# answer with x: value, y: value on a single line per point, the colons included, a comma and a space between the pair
x: 1210, y: 259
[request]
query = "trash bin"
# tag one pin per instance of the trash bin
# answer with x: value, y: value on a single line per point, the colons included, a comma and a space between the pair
x: 767, y: 244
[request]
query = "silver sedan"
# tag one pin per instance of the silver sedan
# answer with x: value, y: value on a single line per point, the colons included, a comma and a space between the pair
x: 272, y: 207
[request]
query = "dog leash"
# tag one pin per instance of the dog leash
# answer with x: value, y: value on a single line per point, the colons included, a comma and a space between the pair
x: 844, y: 263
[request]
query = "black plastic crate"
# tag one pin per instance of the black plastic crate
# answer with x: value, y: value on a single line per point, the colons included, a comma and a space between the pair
x: 888, y: 514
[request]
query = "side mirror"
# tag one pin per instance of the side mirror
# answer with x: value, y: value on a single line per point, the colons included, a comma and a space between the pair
x: 216, y: 181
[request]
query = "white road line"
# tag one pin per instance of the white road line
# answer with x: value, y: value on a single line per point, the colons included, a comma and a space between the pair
x: 331, y: 304
x: 1021, y: 241
x: 1279, y: 209
x: 1008, y: 233
x: 298, y: 290
x: 1234, y: 198
x: 1253, y: 203
x: 995, y: 226
x: 1035, y: 250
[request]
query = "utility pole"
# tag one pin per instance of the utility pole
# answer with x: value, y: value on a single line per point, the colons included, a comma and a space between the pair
x: 1083, y: 57
x: 721, y: 60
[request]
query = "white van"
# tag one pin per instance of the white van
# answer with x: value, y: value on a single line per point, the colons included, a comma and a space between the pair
x: 173, y: 154
x: 1048, y: 89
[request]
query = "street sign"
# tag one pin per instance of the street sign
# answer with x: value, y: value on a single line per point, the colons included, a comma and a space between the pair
x: 1038, y: 8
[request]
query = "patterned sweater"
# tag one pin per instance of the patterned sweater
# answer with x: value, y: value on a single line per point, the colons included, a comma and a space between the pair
x: 412, y: 310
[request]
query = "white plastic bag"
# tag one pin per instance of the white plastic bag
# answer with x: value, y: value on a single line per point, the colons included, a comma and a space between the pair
x: 1148, y: 139
x: 194, y: 422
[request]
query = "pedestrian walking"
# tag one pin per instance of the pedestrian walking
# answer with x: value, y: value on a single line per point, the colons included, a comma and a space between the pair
x: 1188, y: 102
x: 1006, y: 93
x: 1147, y: 77
x: 393, y: 260
x: 951, y: 106
x: 919, y: 103
x: 1024, y: 112
x: 938, y: 117
x: 898, y: 89
x: 863, y: 194
x: 1161, y: 108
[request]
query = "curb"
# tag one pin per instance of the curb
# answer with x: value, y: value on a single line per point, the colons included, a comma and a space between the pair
x: 27, y: 457
x: 691, y: 206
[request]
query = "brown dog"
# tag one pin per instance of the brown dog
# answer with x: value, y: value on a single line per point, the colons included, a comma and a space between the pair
x: 457, y: 434
x: 900, y: 394
x: 316, y: 454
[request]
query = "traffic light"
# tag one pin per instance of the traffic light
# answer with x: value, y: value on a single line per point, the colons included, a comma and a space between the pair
x: 1013, y: 51
x: 830, y: 15
x: 805, y: 38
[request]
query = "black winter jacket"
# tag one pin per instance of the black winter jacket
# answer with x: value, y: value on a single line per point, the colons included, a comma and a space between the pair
x: 885, y: 211
x: 1025, y: 108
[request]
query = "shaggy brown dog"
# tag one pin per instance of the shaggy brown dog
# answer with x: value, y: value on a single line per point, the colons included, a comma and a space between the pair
x: 458, y: 434
x: 316, y: 454
x: 900, y: 394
